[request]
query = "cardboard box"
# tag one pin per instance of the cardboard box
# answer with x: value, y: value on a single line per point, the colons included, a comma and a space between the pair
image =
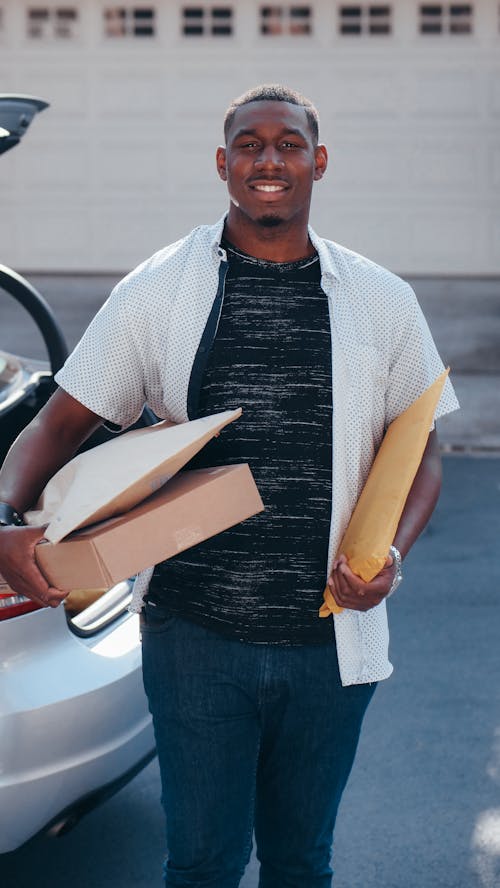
x: 192, y: 507
x: 112, y: 478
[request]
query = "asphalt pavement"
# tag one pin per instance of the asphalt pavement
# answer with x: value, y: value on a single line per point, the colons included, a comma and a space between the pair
x: 422, y: 808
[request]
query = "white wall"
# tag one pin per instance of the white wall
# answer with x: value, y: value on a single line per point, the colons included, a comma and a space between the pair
x: 123, y: 161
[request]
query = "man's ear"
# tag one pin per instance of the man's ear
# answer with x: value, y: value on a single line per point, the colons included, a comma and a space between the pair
x: 220, y: 159
x: 320, y: 161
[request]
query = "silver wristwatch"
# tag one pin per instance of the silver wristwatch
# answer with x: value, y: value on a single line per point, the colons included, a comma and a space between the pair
x: 9, y: 517
x: 398, y: 576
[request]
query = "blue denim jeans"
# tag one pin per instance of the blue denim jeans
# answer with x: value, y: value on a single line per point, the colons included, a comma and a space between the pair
x: 250, y: 737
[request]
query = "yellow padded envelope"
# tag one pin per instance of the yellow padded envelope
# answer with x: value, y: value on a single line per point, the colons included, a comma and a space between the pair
x: 375, y: 519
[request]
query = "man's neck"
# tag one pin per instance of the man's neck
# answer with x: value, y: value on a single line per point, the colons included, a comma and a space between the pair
x: 286, y: 242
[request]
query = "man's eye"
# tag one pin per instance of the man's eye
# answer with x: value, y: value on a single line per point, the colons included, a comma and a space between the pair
x: 249, y: 145
x: 289, y: 145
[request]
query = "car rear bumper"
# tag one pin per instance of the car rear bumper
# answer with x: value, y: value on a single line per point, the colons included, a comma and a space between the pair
x: 73, y: 717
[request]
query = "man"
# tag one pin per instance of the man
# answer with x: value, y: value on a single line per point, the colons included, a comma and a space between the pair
x: 257, y: 701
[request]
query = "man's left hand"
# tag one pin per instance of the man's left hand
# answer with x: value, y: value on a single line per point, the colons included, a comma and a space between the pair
x: 351, y: 592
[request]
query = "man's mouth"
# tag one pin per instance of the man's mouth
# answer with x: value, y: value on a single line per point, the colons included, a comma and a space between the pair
x: 266, y: 185
x: 268, y: 188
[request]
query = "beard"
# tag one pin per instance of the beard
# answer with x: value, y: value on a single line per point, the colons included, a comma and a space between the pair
x: 271, y: 220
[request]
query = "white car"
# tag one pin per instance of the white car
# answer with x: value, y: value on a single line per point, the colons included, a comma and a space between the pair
x: 74, y: 720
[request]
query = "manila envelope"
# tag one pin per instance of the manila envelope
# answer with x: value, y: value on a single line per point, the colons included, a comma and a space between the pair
x: 375, y: 519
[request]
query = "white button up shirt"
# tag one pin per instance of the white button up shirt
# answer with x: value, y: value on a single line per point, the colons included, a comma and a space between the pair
x: 141, y: 346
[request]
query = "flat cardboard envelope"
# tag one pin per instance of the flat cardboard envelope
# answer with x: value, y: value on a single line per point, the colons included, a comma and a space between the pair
x: 115, y: 476
x: 375, y: 519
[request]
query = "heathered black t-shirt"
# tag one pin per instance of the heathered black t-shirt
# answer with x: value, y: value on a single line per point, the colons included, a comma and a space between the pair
x: 263, y: 580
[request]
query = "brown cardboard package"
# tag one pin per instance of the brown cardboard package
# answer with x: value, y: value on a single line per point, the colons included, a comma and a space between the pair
x: 112, y: 478
x: 192, y: 507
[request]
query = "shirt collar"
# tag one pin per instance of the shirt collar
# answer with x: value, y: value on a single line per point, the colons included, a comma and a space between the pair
x: 326, y: 259
x: 329, y: 267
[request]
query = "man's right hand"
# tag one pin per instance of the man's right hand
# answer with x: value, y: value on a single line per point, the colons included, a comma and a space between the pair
x: 19, y: 568
x: 46, y: 444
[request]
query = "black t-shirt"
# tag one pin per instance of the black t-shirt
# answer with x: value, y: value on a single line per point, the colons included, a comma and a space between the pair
x: 263, y: 580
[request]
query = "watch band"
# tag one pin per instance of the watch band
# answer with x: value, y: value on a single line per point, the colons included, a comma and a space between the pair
x: 398, y: 576
x: 9, y: 517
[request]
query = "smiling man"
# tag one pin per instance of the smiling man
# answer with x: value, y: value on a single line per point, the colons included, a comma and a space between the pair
x: 257, y: 701
x: 270, y: 161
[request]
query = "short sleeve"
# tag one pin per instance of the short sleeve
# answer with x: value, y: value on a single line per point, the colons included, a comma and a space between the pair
x: 105, y: 370
x: 415, y: 364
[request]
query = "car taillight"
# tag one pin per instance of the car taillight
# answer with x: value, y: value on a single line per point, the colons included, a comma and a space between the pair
x: 12, y: 605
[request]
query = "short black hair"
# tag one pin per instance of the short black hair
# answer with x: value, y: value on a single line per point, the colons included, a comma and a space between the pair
x: 274, y: 92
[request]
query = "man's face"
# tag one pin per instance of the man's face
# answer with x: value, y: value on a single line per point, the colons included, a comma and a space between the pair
x: 270, y: 163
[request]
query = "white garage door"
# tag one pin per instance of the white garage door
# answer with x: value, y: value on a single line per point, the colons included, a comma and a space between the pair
x: 123, y: 161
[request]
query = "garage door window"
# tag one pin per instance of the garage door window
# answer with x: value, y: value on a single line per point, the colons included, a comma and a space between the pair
x: 365, y: 20
x: 207, y: 21
x: 276, y: 21
x: 52, y: 23
x: 129, y: 21
x: 439, y: 19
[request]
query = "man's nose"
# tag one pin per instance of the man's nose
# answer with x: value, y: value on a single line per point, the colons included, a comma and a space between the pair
x: 269, y: 157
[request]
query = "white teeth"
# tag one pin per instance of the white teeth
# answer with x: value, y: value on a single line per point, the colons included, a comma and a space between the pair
x: 269, y: 187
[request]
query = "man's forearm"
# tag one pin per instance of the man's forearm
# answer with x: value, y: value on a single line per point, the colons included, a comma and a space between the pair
x: 422, y: 498
x: 50, y: 440
x: 41, y: 449
x: 31, y: 462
